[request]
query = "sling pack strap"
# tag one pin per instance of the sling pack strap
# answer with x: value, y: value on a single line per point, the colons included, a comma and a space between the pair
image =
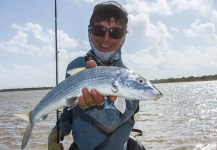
x: 133, y: 144
x: 139, y: 132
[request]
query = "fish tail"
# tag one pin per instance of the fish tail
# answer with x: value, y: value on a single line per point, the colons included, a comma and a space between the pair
x: 28, y: 131
x: 24, y: 116
x: 27, y: 134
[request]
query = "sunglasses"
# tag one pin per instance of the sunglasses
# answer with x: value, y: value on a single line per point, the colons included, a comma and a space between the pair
x: 115, y: 33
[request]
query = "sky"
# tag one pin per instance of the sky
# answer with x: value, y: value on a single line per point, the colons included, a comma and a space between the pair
x: 166, y: 39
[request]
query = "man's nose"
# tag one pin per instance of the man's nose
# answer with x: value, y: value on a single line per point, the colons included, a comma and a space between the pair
x: 107, y: 36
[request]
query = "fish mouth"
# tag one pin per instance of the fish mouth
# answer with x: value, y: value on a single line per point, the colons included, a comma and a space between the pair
x: 158, y: 95
x: 157, y: 92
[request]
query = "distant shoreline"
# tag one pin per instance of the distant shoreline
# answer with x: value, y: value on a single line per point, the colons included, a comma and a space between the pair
x: 26, y: 89
x: 169, y: 80
x: 186, y: 79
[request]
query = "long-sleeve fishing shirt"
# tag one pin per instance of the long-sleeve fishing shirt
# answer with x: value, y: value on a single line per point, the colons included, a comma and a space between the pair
x: 103, y: 128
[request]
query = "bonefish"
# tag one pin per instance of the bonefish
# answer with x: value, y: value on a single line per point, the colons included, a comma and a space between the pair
x: 115, y: 81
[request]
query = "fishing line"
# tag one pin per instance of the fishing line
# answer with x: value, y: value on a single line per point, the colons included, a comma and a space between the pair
x: 96, y: 58
x: 45, y: 8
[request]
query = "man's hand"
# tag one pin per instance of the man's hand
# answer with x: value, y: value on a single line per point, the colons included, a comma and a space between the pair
x: 92, y: 97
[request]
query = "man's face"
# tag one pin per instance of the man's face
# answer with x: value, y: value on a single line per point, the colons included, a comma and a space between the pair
x: 106, y: 43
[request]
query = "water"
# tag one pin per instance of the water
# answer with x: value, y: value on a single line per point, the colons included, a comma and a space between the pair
x: 184, y: 119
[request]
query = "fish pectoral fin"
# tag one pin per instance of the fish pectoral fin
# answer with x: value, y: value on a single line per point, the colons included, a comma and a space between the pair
x: 71, y: 102
x: 23, y: 116
x: 75, y: 71
x: 44, y: 117
x: 120, y: 104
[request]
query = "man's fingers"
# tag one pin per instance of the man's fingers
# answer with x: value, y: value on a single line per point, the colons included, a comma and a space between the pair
x: 112, y: 98
x: 98, y: 98
x: 88, y: 97
x: 91, y: 64
x: 82, y: 102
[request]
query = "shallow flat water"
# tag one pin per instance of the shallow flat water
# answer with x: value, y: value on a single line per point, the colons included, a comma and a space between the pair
x: 184, y: 119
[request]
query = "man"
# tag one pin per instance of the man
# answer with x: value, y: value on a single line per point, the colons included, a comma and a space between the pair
x: 96, y: 124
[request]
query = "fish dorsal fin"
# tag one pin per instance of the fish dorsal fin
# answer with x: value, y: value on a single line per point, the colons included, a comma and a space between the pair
x: 75, y: 71
x: 23, y: 116
x: 120, y: 104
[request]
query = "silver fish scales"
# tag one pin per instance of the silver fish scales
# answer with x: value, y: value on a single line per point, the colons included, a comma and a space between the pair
x: 114, y: 81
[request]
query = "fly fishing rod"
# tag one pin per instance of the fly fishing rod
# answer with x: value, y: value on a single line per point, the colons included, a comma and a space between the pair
x: 56, y: 54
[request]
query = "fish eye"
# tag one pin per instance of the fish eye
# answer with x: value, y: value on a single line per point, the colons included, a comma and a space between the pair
x: 141, y: 80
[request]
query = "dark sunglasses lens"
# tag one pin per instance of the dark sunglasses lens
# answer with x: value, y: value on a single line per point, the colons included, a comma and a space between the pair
x: 98, y: 30
x: 116, y: 33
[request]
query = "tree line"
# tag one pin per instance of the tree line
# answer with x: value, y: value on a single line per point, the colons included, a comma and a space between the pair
x: 169, y: 80
x: 186, y: 79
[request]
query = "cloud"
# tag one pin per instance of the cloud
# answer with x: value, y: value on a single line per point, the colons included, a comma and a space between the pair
x: 20, y: 76
x: 32, y: 39
x: 144, y: 29
x: 201, y: 6
x: 171, y: 63
x: 213, y: 15
x: 138, y: 24
x: 36, y: 30
x: 168, y: 52
x: 205, y: 31
x: 158, y: 35
x: 204, y: 8
x: 64, y: 41
x: 162, y: 43
x: 159, y: 7
x: 155, y: 34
